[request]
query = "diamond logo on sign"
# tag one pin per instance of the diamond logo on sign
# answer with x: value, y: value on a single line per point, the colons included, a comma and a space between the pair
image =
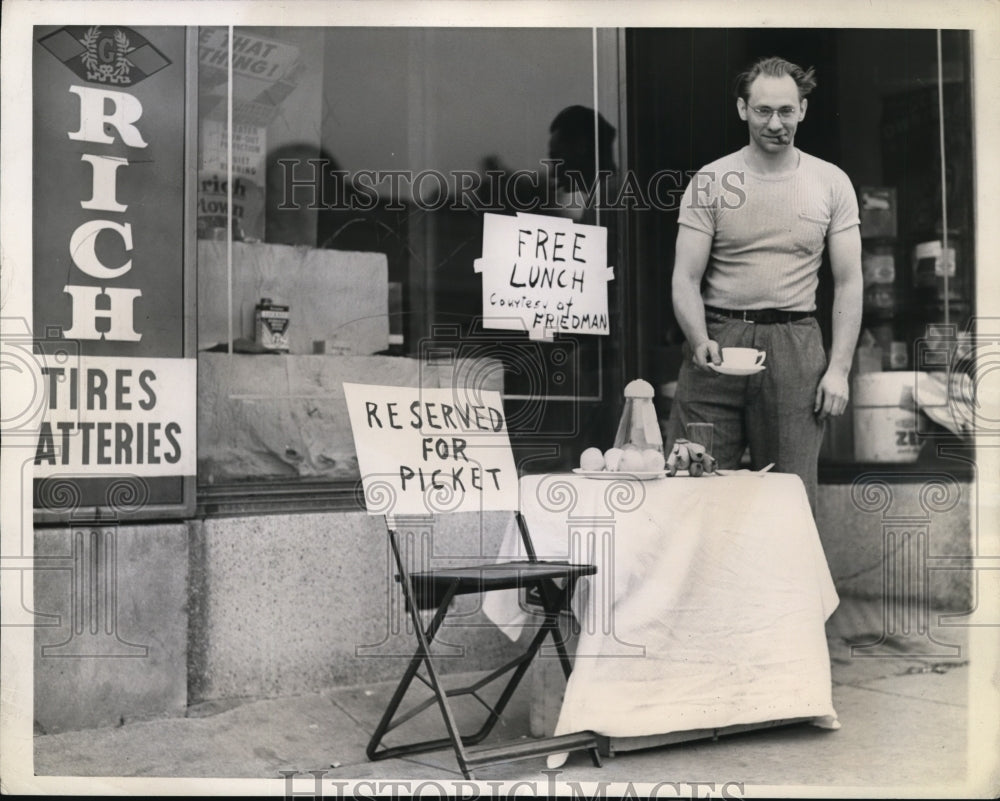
x: 108, y: 55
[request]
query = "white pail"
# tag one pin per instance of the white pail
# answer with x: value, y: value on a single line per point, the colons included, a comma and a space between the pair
x: 885, y: 421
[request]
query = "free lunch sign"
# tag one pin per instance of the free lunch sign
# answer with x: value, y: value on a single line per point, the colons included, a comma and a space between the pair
x: 110, y: 292
x: 544, y: 275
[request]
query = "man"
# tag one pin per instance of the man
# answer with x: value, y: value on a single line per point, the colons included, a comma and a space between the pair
x: 752, y: 230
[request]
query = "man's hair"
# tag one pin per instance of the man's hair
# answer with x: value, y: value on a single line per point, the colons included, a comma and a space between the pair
x: 775, y: 67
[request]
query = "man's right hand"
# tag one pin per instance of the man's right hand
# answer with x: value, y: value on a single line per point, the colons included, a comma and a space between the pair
x: 707, y: 351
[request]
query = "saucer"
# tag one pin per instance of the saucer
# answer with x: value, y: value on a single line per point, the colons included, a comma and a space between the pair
x: 606, y: 475
x: 723, y: 370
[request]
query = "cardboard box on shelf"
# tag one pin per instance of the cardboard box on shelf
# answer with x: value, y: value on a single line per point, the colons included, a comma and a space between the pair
x: 878, y: 265
x: 880, y: 298
x: 335, y: 295
x: 931, y: 262
x: 877, y: 205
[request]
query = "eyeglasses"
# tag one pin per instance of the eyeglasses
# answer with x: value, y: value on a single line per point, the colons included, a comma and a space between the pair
x: 785, y: 113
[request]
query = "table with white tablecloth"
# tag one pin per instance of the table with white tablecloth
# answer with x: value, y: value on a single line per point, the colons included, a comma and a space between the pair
x: 708, y: 608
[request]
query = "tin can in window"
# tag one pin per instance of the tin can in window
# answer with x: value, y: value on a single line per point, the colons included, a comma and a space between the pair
x: 271, y: 325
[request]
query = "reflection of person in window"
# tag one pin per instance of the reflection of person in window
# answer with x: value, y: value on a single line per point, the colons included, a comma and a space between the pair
x: 310, y: 201
x: 582, y: 175
x: 294, y: 175
x: 583, y: 186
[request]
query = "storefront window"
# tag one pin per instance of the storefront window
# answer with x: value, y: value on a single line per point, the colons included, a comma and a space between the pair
x: 894, y: 147
x: 341, y: 244
x: 875, y: 113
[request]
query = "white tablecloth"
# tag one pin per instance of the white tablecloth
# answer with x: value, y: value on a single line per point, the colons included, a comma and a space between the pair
x: 708, y: 607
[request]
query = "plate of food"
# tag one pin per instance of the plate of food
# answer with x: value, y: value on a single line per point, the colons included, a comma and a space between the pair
x: 636, y: 475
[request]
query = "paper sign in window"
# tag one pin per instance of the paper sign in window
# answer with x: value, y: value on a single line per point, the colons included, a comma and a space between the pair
x: 544, y: 275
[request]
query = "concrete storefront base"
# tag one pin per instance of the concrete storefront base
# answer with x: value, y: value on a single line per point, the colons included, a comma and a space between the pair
x: 111, y: 630
x: 295, y: 603
x: 901, y: 538
x: 149, y: 620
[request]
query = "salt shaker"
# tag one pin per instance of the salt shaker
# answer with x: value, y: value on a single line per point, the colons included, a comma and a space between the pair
x: 639, y: 425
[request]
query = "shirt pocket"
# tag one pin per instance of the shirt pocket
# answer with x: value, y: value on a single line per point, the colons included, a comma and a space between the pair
x: 810, y: 232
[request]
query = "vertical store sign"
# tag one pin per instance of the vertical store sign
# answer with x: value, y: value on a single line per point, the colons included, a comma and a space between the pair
x: 109, y: 244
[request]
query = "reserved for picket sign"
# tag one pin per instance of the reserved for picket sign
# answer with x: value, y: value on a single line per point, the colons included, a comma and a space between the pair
x: 438, y: 416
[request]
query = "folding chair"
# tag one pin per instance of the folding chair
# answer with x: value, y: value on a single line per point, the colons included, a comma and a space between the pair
x: 435, y: 589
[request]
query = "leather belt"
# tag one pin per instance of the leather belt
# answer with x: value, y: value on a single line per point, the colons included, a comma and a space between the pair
x: 762, y: 316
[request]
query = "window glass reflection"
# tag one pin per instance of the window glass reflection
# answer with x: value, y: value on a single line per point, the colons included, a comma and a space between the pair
x: 363, y: 163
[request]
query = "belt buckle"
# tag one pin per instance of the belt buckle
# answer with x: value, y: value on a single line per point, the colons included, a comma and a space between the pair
x: 745, y: 318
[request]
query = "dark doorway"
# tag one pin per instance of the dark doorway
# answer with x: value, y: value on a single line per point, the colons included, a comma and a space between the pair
x: 682, y: 115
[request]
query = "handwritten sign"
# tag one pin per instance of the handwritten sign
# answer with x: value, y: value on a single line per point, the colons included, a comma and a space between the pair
x: 429, y: 450
x: 544, y: 275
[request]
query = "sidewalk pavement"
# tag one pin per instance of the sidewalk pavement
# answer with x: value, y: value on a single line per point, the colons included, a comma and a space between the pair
x: 905, y: 705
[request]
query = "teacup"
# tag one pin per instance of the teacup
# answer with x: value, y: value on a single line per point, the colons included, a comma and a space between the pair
x: 742, y: 358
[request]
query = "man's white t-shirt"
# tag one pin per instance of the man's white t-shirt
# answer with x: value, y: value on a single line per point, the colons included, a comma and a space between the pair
x: 768, y: 232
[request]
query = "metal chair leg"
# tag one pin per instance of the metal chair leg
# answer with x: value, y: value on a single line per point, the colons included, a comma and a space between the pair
x: 418, y: 659
x: 459, y: 743
x: 422, y: 656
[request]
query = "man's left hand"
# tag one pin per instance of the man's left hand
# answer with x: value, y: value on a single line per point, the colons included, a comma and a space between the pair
x: 831, y: 395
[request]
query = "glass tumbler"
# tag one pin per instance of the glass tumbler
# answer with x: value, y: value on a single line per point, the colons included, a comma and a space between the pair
x: 702, y: 433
